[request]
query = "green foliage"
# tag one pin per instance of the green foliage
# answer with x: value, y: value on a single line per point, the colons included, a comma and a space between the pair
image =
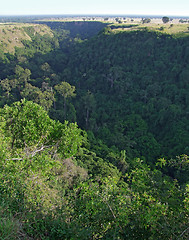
x: 26, y: 123
x: 65, y: 90
x: 146, y: 20
x: 44, y: 98
x: 59, y: 182
x: 53, y: 194
x: 165, y: 19
x: 10, y: 228
x: 34, y: 167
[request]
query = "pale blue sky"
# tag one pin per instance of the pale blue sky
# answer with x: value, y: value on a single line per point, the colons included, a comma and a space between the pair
x: 147, y: 7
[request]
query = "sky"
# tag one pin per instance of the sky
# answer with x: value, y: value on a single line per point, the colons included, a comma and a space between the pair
x: 95, y: 7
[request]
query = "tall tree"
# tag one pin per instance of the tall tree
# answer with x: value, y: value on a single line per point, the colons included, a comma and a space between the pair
x: 165, y: 19
x: 66, y: 91
x: 89, y: 105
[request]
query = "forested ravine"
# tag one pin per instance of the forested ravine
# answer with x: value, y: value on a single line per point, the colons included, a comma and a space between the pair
x: 94, y: 133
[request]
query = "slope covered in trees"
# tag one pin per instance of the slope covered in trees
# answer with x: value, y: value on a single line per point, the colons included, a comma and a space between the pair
x: 121, y: 171
x: 53, y: 186
x: 140, y: 85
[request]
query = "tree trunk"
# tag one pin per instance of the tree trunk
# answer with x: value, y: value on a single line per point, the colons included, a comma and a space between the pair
x: 87, y: 118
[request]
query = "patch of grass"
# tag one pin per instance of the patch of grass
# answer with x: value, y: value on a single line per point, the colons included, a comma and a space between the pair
x: 10, y: 226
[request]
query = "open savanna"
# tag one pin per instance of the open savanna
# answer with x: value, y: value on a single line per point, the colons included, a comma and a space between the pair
x: 178, y: 29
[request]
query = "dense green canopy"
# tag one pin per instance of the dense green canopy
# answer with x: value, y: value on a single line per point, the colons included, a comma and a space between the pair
x: 94, y: 135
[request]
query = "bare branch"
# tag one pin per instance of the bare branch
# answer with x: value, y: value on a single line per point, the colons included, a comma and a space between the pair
x: 14, y: 159
x: 184, y: 232
x: 29, y: 153
x: 111, y: 210
x: 39, y: 150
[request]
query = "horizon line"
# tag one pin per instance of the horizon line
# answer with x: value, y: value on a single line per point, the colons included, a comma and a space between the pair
x: 94, y: 15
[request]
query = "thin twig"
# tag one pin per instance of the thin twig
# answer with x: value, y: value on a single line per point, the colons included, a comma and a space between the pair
x: 184, y: 232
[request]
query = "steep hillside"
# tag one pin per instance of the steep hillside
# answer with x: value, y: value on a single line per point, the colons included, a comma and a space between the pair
x: 81, y: 29
x: 138, y: 85
x: 94, y: 133
x: 13, y: 34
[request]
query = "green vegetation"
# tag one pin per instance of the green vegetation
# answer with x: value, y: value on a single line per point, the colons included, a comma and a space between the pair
x: 94, y: 131
x: 165, y: 19
x: 175, y: 30
x: 13, y: 35
x: 146, y: 20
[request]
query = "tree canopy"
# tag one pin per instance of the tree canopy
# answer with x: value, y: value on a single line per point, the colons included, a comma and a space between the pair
x: 165, y: 19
